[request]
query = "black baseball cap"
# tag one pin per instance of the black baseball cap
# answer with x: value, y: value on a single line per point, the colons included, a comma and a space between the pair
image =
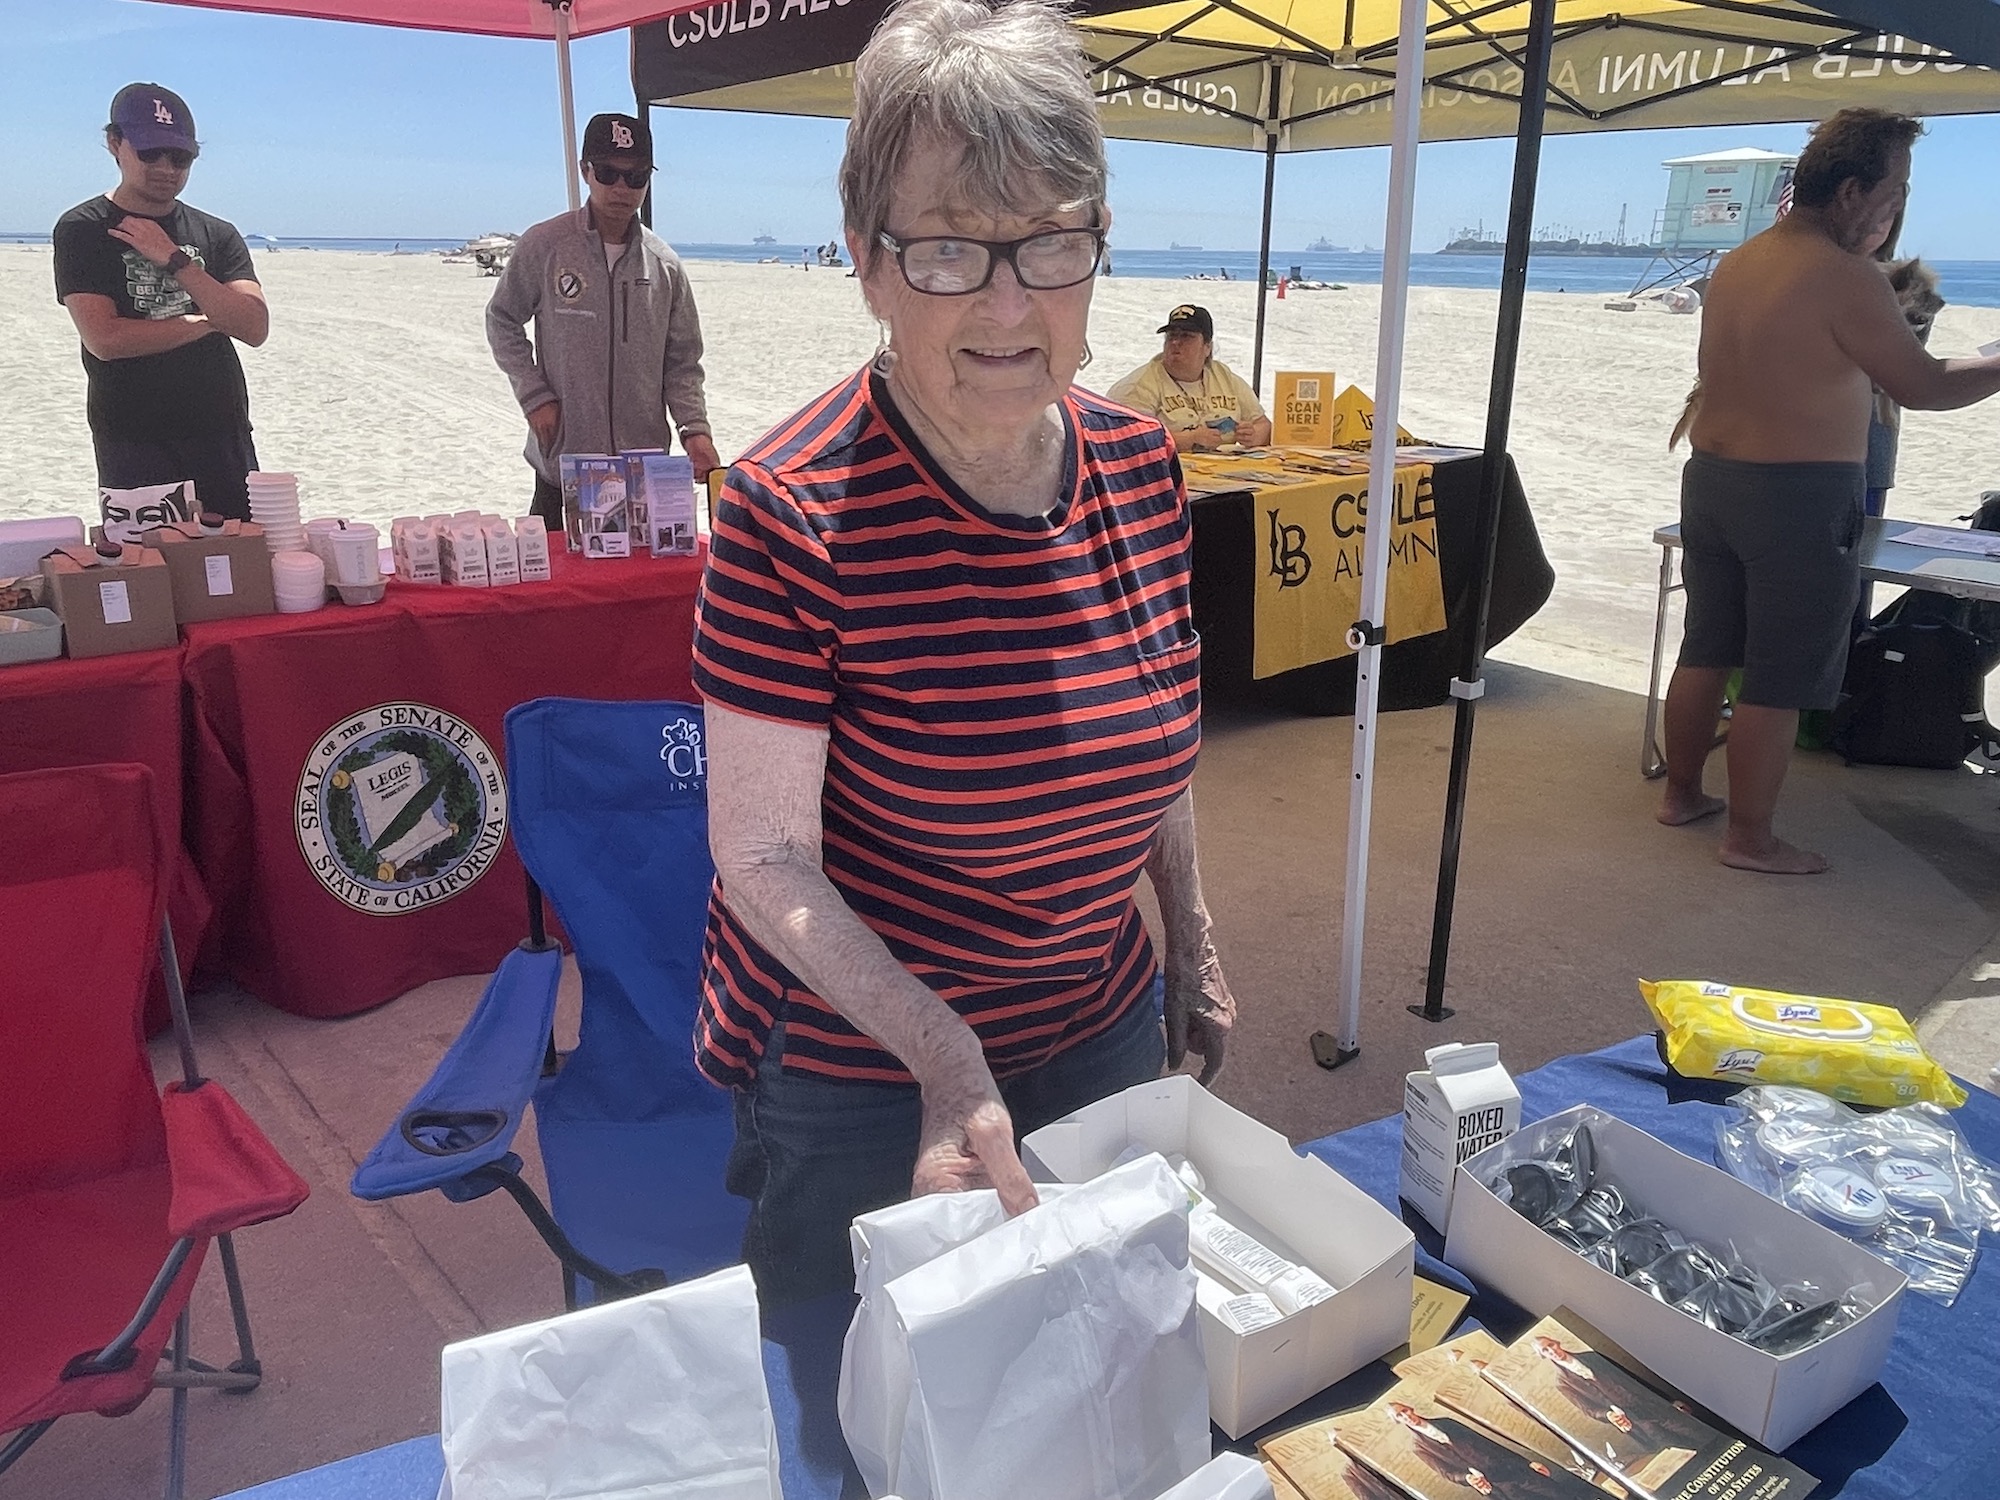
x: 617, y: 135
x: 1187, y: 318
x: 150, y: 116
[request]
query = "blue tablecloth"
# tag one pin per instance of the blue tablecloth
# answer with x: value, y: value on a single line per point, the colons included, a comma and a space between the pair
x: 1929, y: 1430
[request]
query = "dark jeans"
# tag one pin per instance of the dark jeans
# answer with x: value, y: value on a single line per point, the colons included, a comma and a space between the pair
x: 813, y: 1153
x: 548, y: 504
x: 217, y: 462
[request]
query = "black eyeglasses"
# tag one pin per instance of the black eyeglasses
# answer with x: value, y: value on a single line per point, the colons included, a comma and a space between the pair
x: 178, y: 159
x: 609, y: 176
x: 947, y: 265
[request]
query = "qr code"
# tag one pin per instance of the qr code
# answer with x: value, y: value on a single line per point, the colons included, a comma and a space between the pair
x: 1309, y: 389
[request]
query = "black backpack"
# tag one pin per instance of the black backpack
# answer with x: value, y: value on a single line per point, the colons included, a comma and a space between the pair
x: 1915, y: 691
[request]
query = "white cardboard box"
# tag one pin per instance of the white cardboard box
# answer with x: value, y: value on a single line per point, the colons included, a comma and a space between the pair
x: 1296, y: 1205
x: 1774, y: 1400
x: 1453, y: 1110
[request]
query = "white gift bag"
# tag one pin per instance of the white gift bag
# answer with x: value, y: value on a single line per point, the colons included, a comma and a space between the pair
x: 1056, y: 1355
x: 658, y: 1397
x: 1229, y: 1476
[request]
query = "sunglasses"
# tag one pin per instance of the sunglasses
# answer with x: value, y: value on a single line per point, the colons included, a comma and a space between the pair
x: 178, y: 159
x: 610, y: 176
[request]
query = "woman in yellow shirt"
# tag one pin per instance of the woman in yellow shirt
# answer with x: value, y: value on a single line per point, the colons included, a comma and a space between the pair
x: 1202, y: 402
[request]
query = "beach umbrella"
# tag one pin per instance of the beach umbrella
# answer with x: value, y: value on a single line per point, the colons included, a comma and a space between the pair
x: 558, y: 20
x: 1289, y: 75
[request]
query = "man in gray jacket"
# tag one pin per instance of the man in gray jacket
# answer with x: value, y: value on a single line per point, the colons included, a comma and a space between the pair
x: 617, y: 345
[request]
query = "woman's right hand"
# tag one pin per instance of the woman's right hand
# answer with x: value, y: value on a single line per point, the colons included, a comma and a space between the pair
x: 967, y: 1139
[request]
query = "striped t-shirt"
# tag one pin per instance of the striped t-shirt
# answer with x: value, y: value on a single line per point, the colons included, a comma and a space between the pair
x: 1011, y: 703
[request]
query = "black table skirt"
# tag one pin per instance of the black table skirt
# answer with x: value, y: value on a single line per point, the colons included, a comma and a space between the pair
x: 1415, y: 673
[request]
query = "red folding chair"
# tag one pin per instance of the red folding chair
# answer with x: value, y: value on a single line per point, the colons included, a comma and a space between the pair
x: 110, y: 1191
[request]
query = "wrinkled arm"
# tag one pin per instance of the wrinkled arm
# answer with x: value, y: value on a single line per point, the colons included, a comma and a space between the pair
x: 764, y: 789
x: 1200, y: 1008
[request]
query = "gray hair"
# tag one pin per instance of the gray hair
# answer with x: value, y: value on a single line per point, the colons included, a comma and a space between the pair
x: 1007, y: 80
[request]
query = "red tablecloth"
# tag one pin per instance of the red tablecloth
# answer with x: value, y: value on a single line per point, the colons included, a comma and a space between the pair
x: 328, y: 902
x: 111, y: 708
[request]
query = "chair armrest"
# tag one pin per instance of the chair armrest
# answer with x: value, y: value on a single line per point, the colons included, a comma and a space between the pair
x: 226, y: 1174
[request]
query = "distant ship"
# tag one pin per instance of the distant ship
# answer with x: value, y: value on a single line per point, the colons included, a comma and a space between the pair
x: 1183, y: 247
x: 1324, y: 246
x: 1473, y: 242
x: 764, y: 239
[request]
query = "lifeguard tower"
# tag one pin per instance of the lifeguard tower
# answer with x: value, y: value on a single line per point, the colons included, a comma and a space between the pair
x: 1715, y: 202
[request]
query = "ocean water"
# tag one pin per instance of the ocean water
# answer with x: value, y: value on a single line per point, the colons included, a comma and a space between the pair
x: 1966, y: 283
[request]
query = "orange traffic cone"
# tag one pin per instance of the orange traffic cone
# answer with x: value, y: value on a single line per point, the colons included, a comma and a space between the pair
x: 1281, y: 288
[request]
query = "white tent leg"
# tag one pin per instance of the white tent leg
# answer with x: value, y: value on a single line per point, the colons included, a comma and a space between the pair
x: 568, y: 99
x: 1331, y: 1051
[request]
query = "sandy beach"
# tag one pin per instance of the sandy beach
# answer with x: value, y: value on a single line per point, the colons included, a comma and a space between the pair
x: 377, y: 389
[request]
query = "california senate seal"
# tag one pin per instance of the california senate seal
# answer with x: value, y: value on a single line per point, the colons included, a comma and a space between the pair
x: 400, y: 807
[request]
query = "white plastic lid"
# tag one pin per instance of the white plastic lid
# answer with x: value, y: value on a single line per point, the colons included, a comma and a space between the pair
x: 299, y: 569
x: 1911, y: 1179
x: 1792, y: 1143
x: 1842, y: 1198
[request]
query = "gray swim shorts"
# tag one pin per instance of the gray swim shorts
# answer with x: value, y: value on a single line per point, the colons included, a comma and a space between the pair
x: 1772, y: 567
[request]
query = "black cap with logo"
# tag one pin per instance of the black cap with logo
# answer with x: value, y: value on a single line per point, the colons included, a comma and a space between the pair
x: 618, y: 135
x: 1187, y: 318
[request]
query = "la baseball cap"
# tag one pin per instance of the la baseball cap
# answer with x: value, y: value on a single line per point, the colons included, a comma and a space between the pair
x: 617, y: 135
x: 150, y: 116
x: 1187, y: 318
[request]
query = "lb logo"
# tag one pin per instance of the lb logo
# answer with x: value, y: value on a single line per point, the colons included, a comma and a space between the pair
x: 570, y: 285
x: 400, y: 807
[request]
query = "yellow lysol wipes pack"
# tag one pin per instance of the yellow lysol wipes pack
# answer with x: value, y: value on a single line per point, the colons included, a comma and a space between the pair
x: 1863, y: 1054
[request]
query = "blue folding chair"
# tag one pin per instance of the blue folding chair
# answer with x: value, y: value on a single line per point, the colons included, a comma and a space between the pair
x: 610, y: 816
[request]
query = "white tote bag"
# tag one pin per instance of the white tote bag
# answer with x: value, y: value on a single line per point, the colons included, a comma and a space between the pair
x: 1056, y: 1355
x: 659, y: 1397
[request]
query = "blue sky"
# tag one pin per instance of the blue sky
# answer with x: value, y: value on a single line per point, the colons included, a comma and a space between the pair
x: 319, y: 129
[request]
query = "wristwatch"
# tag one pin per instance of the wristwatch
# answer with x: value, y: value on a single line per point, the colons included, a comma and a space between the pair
x: 178, y: 262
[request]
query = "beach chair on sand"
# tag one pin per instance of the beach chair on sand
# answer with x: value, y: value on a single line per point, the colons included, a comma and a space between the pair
x: 608, y: 803
x: 110, y: 1191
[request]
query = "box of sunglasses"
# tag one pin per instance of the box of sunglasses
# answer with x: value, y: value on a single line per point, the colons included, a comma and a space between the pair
x: 1767, y: 1319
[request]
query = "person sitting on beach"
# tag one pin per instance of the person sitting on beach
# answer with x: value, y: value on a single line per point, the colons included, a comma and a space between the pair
x: 1203, y: 402
x: 952, y: 682
x: 617, y: 345
x: 161, y: 294
x: 1799, y: 328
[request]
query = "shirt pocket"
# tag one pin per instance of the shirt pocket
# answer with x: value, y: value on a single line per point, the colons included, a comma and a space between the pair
x: 1172, y: 678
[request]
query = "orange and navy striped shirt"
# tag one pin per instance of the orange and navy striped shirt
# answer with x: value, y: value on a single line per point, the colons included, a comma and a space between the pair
x: 1011, y: 705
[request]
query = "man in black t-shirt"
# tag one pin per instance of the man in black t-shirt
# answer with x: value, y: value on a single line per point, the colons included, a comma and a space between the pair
x: 158, y: 291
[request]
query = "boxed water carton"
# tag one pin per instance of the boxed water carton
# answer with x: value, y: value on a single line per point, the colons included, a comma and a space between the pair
x: 462, y: 553
x: 503, y: 553
x: 664, y: 515
x: 1463, y: 1103
x: 531, y: 542
x: 414, y: 544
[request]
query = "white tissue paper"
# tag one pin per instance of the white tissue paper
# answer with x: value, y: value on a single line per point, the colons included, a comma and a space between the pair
x: 1229, y: 1476
x: 658, y: 1397
x: 1056, y: 1355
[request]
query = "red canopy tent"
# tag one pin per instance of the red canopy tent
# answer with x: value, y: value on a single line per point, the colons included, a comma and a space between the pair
x: 557, y: 19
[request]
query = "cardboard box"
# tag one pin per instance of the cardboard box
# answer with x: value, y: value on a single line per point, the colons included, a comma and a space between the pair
x: 109, y: 610
x: 1460, y: 1105
x: 24, y: 543
x: 1295, y: 1205
x: 216, y: 575
x: 29, y: 635
x: 1774, y: 1400
x: 1302, y: 408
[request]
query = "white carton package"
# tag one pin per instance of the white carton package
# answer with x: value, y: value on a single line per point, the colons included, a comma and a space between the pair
x: 1773, y: 1399
x: 1456, y: 1108
x: 1296, y: 1206
x: 462, y: 552
x: 414, y: 545
x: 531, y: 541
x: 503, y: 553
x: 24, y: 543
x: 660, y: 1395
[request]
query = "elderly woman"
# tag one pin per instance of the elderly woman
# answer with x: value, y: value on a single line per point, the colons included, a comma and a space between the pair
x: 953, y: 688
x: 1203, y: 402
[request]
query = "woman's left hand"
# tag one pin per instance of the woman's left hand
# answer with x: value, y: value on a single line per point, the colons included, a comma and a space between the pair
x: 1200, y: 1012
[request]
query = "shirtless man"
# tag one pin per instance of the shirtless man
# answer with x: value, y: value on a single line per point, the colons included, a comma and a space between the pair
x: 1798, y: 328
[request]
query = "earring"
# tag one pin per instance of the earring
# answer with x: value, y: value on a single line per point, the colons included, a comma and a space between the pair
x: 885, y: 353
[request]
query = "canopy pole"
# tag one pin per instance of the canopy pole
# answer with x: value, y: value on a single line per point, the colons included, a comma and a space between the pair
x: 643, y: 108
x: 567, y: 97
x: 1330, y: 1051
x: 1492, y: 482
x: 1264, y: 241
